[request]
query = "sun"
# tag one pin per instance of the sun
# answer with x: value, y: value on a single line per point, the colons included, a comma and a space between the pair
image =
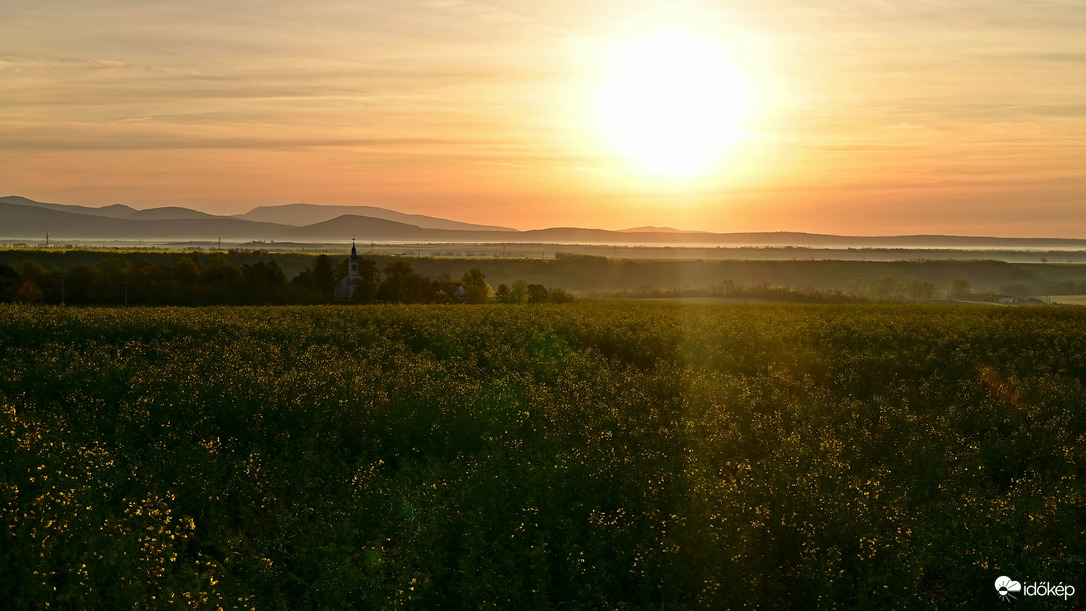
x: 672, y: 103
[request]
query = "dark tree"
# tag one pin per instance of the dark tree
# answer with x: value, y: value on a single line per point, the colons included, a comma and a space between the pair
x: 369, y: 278
x: 559, y: 295
x: 264, y: 274
x: 47, y: 280
x: 537, y: 293
x: 77, y: 283
x: 919, y: 290
x: 304, y: 281
x: 9, y: 282
x: 475, y: 284
x: 186, y: 270
x: 265, y: 282
x: 396, y: 285
x: 28, y: 292
x: 145, y: 282
x: 518, y: 292
x: 960, y: 289
x: 323, y: 282
x: 220, y: 271
x: 365, y: 291
x: 110, y: 280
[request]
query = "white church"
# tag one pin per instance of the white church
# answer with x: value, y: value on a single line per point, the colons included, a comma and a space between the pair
x: 345, y: 288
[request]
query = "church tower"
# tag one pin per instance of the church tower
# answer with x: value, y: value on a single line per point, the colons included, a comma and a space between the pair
x: 345, y: 287
x: 352, y: 269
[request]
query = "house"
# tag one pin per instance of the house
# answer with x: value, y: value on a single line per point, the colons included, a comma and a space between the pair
x: 455, y: 291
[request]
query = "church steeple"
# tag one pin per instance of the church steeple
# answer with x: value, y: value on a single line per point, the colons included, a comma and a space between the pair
x: 345, y: 287
x: 352, y: 270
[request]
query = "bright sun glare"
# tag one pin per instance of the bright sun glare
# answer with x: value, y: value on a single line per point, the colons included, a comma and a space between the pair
x: 672, y: 102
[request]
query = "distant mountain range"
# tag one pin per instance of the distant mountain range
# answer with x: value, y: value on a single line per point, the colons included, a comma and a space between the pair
x: 651, y: 229
x: 299, y: 215
x: 23, y: 219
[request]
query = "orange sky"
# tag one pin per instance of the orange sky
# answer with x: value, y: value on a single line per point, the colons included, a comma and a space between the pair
x: 865, y: 117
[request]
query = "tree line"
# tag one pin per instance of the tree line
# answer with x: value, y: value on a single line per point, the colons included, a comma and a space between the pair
x: 218, y: 281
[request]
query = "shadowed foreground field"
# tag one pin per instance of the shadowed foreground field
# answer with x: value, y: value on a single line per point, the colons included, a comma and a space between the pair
x: 589, y: 456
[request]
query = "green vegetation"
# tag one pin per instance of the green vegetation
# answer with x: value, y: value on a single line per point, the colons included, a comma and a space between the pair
x: 912, y: 280
x: 218, y: 281
x: 587, y: 456
x: 729, y: 291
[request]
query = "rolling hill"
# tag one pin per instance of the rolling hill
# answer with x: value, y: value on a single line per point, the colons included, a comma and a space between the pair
x: 22, y: 221
x: 25, y: 219
x: 114, y: 211
x: 300, y: 215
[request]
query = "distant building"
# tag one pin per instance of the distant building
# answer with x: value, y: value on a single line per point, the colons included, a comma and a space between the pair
x: 456, y: 291
x: 345, y: 288
x: 1008, y: 300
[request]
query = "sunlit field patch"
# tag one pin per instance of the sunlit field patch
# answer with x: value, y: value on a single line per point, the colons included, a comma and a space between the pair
x: 593, y: 456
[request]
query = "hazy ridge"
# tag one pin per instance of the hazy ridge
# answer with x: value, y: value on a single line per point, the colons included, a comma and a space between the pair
x: 301, y: 214
x: 25, y: 219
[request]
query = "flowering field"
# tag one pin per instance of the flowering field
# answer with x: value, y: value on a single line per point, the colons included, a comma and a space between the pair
x: 599, y: 455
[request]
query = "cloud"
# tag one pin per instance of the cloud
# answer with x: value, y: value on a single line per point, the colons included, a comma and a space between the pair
x: 478, y: 10
x: 1078, y: 59
x: 19, y: 63
x: 975, y: 93
x: 90, y: 139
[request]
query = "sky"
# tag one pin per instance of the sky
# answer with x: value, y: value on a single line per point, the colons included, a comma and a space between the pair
x: 870, y: 117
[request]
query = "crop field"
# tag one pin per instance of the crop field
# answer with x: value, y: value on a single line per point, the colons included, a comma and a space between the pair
x: 594, y: 455
x: 1067, y: 299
